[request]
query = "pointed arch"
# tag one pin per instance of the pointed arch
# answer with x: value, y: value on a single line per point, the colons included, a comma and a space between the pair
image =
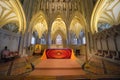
x: 77, y: 24
x: 38, y: 23
x: 58, y: 27
x: 80, y: 17
x: 62, y: 36
x: 58, y: 15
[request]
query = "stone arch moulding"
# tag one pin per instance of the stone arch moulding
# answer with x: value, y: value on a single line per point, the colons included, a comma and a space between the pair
x: 39, y: 19
x: 81, y: 18
x: 58, y: 15
x: 77, y: 17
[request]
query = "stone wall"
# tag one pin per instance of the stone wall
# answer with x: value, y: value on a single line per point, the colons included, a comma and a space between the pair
x: 9, y: 39
x: 83, y: 49
x: 107, y: 43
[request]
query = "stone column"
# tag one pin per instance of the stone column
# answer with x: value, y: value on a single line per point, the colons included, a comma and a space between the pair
x: 108, y: 54
x: 87, y: 47
x: 101, y: 47
x: 95, y: 46
x: 21, y: 44
x: 37, y: 40
x: 28, y: 14
x: 29, y: 38
x: 49, y: 36
x: 80, y: 42
x: 25, y: 42
x: 116, y: 48
x: 68, y: 38
x: 77, y: 41
x: 25, y: 39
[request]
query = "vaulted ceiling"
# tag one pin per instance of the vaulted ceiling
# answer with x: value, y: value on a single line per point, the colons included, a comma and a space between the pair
x: 58, y: 28
x: 71, y: 15
x: 41, y: 15
x: 105, y: 11
x: 75, y: 26
x: 111, y: 12
x: 12, y: 12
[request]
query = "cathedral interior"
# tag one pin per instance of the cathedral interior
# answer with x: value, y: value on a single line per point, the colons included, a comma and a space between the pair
x: 60, y: 39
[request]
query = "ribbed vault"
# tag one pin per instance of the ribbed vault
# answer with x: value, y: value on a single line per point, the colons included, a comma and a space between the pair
x: 105, y: 11
x: 12, y: 12
x: 76, y: 26
x: 39, y: 24
x: 58, y: 27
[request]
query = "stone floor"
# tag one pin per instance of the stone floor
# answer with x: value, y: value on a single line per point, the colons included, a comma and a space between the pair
x: 100, y: 66
x: 97, y: 69
x: 17, y: 66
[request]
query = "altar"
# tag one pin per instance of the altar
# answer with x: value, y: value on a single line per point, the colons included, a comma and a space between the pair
x: 60, y: 53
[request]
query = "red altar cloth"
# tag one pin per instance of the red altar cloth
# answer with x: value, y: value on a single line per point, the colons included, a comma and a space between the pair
x: 58, y: 54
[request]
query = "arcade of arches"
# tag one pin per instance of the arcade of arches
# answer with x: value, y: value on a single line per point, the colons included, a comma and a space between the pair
x: 89, y: 29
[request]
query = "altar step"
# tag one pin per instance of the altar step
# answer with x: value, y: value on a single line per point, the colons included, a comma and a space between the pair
x: 58, y: 67
x: 57, y: 72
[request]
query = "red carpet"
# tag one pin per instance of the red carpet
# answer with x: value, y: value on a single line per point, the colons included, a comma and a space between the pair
x: 58, y: 62
x: 58, y: 67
